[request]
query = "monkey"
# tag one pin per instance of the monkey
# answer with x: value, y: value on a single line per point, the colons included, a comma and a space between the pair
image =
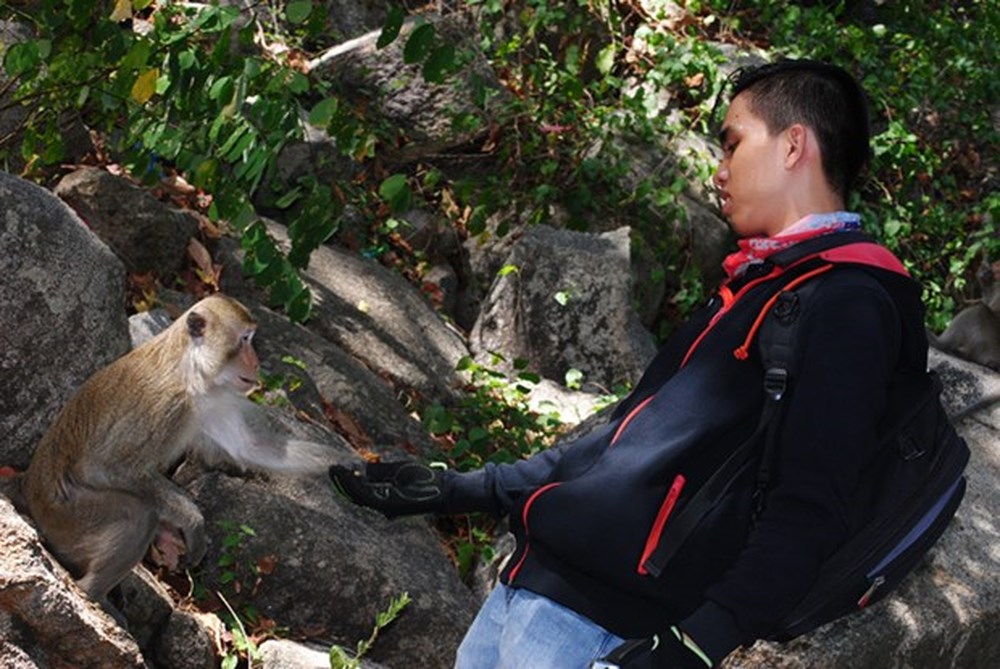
x: 97, y: 486
x: 974, y: 333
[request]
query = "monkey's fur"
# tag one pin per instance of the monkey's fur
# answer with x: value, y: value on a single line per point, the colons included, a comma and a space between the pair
x: 97, y: 486
x: 974, y: 334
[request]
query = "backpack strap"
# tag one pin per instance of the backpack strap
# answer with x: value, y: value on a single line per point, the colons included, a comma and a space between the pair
x: 841, y: 248
x: 777, y: 354
x: 777, y: 358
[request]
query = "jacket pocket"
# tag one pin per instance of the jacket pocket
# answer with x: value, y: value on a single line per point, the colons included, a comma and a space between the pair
x: 662, y: 516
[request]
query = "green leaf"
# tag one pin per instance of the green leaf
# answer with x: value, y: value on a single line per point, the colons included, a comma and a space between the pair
x: 419, y: 44
x: 432, y: 178
x: 477, y: 222
x: 507, y: 269
x: 339, y: 659
x: 288, y: 198
x: 298, y: 11
x: 222, y: 89
x: 606, y: 59
x: 396, y: 191
x: 299, y: 308
x: 137, y: 56
x: 439, y: 64
x: 323, y: 112
x: 187, y: 59
x: 205, y: 173
x: 297, y: 83
x: 390, y: 30
x: 22, y: 57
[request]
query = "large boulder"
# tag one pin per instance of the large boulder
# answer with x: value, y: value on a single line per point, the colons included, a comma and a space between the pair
x: 328, y: 383
x: 45, y: 620
x: 332, y: 567
x: 374, y: 315
x: 566, y: 306
x: 424, y: 113
x: 62, y: 291
x: 145, y: 233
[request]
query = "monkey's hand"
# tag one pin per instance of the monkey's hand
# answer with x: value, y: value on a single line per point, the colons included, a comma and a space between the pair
x: 394, y: 488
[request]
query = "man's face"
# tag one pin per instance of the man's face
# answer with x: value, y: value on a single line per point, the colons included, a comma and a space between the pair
x: 751, y: 178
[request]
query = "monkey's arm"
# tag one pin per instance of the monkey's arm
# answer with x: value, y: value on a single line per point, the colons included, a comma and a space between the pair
x: 238, y: 431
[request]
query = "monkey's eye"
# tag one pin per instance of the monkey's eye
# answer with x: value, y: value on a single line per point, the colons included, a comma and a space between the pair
x: 247, y: 337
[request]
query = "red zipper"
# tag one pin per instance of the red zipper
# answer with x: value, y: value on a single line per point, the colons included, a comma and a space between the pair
x: 728, y: 301
x: 527, y: 533
x: 628, y: 418
x: 661, y: 520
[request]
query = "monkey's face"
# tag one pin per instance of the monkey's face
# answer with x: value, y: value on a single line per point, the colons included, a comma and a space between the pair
x: 242, y: 366
x: 221, y: 333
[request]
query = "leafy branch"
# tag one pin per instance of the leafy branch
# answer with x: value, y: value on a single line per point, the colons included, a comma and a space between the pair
x: 340, y: 658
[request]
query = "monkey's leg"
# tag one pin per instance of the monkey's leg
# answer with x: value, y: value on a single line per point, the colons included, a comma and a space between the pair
x: 116, y: 529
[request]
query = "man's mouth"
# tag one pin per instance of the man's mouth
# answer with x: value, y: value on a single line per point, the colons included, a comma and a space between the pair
x: 725, y: 201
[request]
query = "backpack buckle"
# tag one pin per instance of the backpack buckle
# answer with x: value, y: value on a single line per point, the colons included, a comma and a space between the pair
x: 909, y: 448
x: 775, y: 382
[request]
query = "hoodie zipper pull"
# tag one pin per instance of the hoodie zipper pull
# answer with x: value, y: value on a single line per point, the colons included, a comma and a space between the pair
x: 870, y: 592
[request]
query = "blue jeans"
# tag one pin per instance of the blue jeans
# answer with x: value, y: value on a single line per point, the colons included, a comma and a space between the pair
x: 516, y: 629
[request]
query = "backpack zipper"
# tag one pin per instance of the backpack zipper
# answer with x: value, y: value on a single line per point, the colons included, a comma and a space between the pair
x: 955, y: 464
x: 876, y: 575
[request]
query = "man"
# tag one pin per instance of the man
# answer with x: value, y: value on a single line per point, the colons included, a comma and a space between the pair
x: 588, y: 515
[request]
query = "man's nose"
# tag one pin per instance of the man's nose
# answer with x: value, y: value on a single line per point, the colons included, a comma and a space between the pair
x: 721, y: 176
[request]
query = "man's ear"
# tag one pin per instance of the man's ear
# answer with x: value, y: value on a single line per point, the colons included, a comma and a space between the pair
x: 796, y: 139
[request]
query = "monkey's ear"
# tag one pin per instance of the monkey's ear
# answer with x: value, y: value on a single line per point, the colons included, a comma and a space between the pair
x: 196, y: 325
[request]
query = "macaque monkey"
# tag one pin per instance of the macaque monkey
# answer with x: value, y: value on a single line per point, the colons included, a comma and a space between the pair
x: 97, y: 485
x: 974, y: 334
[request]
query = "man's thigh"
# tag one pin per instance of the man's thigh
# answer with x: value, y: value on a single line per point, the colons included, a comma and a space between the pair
x: 517, y: 629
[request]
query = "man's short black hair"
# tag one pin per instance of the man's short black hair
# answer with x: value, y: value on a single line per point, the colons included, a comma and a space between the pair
x: 824, y: 97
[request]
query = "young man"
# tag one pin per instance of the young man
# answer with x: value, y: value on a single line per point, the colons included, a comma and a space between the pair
x: 581, y: 589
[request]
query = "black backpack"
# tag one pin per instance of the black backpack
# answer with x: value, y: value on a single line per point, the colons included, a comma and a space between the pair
x: 913, y: 488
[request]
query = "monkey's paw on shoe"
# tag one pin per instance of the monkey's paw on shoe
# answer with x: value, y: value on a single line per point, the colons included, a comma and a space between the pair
x: 394, y: 488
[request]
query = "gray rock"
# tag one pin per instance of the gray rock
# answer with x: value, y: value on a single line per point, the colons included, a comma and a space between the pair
x: 331, y: 567
x: 374, y: 315
x: 45, y: 618
x: 145, y: 233
x: 285, y: 654
x: 424, y: 112
x: 62, y: 291
x: 188, y: 641
x: 323, y: 380
x: 567, y: 306
x: 145, y: 325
